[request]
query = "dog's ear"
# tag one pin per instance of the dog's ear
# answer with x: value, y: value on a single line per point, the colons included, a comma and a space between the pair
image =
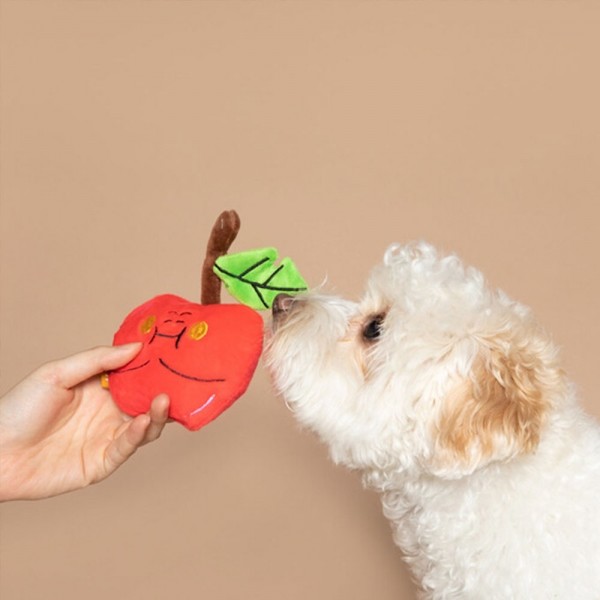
x: 496, y: 413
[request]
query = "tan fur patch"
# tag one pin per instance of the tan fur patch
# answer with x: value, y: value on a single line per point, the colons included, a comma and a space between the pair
x: 501, y: 407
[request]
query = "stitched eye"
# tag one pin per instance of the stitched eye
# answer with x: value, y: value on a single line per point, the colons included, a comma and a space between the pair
x: 373, y: 328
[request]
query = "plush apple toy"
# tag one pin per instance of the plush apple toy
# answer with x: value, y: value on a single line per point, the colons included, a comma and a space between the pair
x: 202, y: 355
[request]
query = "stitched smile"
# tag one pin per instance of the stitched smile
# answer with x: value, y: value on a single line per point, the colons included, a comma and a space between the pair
x: 191, y: 377
x: 120, y: 371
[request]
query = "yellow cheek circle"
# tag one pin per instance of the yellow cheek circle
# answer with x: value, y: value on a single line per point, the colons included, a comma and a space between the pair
x: 104, y: 381
x: 148, y: 325
x: 198, y: 330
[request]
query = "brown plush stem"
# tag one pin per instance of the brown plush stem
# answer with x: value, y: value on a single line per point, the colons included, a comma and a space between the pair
x: 223, y: 233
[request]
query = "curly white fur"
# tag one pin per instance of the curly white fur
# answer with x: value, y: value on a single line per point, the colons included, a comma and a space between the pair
x: 450, y: 398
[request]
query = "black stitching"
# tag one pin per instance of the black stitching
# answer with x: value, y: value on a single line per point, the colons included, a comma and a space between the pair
x: 120, y: 371
x: 260, y: 262
x: 262, y: 286
x: 166, y: 366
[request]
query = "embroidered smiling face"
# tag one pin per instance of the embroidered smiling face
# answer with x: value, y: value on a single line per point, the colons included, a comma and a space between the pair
x: 203, y: 356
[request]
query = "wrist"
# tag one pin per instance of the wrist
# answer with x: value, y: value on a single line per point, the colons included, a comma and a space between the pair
x: 15, y: 473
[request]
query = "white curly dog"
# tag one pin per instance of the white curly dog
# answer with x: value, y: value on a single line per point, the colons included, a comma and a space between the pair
x: 450, y: 398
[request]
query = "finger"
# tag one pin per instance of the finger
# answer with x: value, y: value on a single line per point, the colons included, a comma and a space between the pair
x: 123, y: 446
x: 77, y: 368
x: 159, y: 414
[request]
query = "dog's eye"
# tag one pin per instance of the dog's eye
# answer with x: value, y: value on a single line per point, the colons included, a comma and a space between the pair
x: 373, y: 328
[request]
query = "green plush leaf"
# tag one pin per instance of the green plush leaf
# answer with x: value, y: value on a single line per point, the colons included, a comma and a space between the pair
x: 253, y: 278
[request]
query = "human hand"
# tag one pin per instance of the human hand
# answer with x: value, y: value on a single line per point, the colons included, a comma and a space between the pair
x: 61, y: 431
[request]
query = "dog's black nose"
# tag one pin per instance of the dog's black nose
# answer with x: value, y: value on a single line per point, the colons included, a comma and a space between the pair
x: 282, y: 304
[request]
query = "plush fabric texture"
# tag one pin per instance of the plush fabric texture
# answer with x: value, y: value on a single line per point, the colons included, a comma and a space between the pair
x: 222, y: 235
x: 202, y: 356
x: 253, y: 278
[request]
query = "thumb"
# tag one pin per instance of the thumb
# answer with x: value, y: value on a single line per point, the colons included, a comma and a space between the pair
x: 79, y: 367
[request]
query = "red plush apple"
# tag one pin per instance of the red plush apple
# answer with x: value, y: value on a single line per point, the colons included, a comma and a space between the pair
x: 202, y: 355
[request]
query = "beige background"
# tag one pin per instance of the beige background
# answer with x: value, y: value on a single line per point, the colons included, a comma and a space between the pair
x: 334, y: 128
